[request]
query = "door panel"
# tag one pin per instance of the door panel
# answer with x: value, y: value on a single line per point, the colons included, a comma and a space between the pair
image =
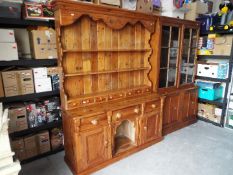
x: 151, y: 127
x: 193, y: 104
x: 171, y: 110
x: 94, y: 145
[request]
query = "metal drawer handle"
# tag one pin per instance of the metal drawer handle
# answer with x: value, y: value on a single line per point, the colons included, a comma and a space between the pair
x: 94, y: 122
x: 118, y: 115
x: 153, y: 106
x: 136, y: 110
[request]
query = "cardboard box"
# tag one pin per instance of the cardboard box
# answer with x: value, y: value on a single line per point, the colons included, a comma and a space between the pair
x: 23, y: 42
x: 195, y: 9
x: 9, y: 78
x: 57, y: 138
x: 43, y: 44
x: 10, y: 52
x: 43, y: 85
x: 19, y: 149
x: 40, y: 72
x: 145, y: 6
x: 11, y: 91
x: 7, y: 36
x: 53, y: 71
x: 129, y: 4
x: 43, y: 142
x: 18, y: 119
x: 110, y: 2
x: 222, y: 45
x: 26, y: 84
x: 1, y: 87
x: 30, y: 146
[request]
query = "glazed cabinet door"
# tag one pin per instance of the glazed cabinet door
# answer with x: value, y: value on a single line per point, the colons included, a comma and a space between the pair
x: 171, y: 110
x: 93, y: 147
x: 169, y: 54
x: 188, y: 56
x: 151, y: 127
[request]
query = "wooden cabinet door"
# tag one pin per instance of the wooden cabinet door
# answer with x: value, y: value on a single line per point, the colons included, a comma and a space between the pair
x: 171, y: 110
x: 192, y: 113
x: 151, y: 127
x: 93, y: 147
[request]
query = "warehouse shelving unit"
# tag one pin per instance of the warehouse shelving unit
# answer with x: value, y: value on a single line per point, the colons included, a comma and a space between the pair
x: 221, y: 103
x: 29, y: 63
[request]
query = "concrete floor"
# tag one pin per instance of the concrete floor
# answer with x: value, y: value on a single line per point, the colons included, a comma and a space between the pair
x: 200, y: 149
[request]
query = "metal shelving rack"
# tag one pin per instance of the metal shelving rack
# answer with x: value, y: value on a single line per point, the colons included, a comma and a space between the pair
x: 20, y: 23
x: 221, y: 103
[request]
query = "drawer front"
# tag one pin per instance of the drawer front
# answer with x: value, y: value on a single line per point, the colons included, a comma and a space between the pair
x: 125, y: 113
x: 115, y: 96
x: 93, y: 121
x: 152, y: 106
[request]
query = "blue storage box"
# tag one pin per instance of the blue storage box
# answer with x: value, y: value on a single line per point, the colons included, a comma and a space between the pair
x: 207, y: 84
x: 223, y: 70
x: 209, y: 93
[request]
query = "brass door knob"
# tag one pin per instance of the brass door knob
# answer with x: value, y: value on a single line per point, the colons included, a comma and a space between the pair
x: 136, y: 110
x: 145, y: 128
x: 94, y: 122
x: 118, y: 115
x: 153, y: 106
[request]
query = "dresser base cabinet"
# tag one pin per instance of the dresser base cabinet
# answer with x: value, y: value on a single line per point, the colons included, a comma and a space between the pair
x: 180, y: 110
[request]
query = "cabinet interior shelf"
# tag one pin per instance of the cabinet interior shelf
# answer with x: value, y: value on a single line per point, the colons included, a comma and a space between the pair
x: 37, y: 129
x: 218, y: 102
x: 209, y: 121
x: 28, y: 97
x: 107, y: 71
x: 213, y: 79
x: 106, y: 50
x: 29, y: 63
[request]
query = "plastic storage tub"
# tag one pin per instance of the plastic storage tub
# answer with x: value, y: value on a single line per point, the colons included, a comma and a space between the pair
x: 207, y: 84
x: 209, y: 93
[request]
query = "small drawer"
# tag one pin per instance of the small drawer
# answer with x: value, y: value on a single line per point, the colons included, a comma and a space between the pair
x: 147, y: 90
x: 93, y: 121
x: 87, y: 101
x: 116, y: 96
x: 151, y: 106
x: 138, y: 91
x: 125, y: 113
x: 100, y: 99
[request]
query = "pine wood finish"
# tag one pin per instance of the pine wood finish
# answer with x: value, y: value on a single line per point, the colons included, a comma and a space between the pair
x: 110, y: 109
x: 177, y: 65
x: 112, y: 100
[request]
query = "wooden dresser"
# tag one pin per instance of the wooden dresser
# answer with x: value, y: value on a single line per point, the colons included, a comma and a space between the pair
x: 110, y: 91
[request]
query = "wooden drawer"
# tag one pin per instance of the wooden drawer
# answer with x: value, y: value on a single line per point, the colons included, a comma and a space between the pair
x: 87, y: 101
x: 152, y: 106
x: 125, y: 113
x: 93, y: 121
x: 116, y: 96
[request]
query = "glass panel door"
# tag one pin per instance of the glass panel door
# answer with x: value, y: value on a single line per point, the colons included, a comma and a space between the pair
x: 188, y: 56
x: 169, y: 56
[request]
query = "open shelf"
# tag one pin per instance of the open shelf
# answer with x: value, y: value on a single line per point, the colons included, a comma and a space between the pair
x: 14, y: 22
x: 107, y: 71
x: 108, y: 50
x: 213, y: 79
x: 219, y: 102
x: 28, y: 97
x: 29, y: 63
x: 122, y: 144
x: 37, y: 129
x: 42, y: 155
x: 209, y: 121
x: 225, y: 32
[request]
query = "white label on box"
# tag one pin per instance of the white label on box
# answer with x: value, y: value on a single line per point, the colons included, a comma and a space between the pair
x: 7, y: 36
x: 8, y: 51
x: 43, y: 85
x: 40, y: 72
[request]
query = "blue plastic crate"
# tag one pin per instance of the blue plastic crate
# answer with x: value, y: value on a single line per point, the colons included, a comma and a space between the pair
x: 207, y: 84
x: 210, y: 94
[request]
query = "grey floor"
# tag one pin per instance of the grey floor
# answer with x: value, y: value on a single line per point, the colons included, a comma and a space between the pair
x: 200, y: 149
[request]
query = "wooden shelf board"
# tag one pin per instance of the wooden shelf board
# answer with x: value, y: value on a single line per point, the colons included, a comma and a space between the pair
x: 37, y: 129
x: 122, y: 144
x: 106, y: 92
x: 108, y: 50
x: 107, y: 71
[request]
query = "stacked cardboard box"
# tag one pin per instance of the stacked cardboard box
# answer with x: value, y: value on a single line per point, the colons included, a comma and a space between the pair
x: 43, y: 142
x: 42, y: 82
x: 30, y: 146
x: 43, y: 44
x: 8, y: 45
x: 18, y: 82
x: 19, y: 148
x: 57, y: 138
x: 210, y: 112
x: 18, y: 119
